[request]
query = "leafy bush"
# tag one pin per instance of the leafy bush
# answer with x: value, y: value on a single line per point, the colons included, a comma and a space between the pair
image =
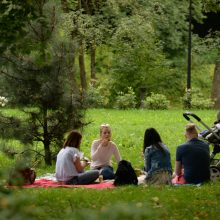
x: 202, y: 103
x: 156, y: 101
x: 126, y: 100
x: 198, y: 100
x: 93, y: 98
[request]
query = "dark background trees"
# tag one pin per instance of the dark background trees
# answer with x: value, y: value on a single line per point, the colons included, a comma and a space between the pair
x: 210, y: 29
x: 97, y: 25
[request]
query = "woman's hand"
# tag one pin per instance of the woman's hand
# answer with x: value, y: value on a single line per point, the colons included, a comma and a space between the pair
x: 81, y: 164
x: 84, y: 163
x: 104, y: 142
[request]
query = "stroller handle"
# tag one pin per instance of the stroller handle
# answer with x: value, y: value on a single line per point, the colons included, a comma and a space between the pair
x: 187, y: 114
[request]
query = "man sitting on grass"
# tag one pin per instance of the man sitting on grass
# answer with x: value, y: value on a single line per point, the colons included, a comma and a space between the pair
x: 192, y: 159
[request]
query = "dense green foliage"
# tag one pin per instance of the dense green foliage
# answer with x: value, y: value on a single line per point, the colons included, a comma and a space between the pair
x: 138, y: 44
x: 198, y: 101
x: 138, y: 57
x: 13, y: 15
x: 37, y: 76
x: 126, y: 100
x: 156, y: 101
x: 94, y: 98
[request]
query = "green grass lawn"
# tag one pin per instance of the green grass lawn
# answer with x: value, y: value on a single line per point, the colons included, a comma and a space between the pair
x: 130, y: 202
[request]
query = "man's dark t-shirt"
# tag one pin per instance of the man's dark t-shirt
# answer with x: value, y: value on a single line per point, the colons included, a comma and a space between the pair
x: 195, y: 158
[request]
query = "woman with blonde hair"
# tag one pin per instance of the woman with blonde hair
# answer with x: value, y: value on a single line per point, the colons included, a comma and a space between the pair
x: 69, y: 167
x: 102, y: 151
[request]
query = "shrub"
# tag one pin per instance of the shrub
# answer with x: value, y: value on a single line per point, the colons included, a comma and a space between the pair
x: 93, y: 98
x: 202, y: 103
x: 156, y: 101
x: 198, y: 101
x: 126, y: 100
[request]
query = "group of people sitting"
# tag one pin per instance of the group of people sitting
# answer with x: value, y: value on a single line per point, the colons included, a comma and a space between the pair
x: 191, y: 166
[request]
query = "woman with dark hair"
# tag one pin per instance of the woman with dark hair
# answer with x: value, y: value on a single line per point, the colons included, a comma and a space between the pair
x: 69, y: 167
x: 157, y: 159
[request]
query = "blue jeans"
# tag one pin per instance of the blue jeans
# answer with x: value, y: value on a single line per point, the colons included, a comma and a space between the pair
x: 84, y: 178
x: 107, y: 172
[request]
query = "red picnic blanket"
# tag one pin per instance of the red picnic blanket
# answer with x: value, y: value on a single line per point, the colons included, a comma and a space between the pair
x: 45, y: 183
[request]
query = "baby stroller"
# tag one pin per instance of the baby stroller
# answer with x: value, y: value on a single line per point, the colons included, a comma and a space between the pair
x: 211, y: 136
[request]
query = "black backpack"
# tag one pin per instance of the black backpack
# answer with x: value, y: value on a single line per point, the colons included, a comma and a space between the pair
x: 125, y: 174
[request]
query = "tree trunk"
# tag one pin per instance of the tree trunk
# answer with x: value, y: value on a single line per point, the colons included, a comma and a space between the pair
x: 75, y: 92
x: 216, y: 83
x: 72, y: 77
x: 93, y: 62
x: 47, y: 157
x: 82, y: 67
x: 64, y: 4
x: 46, y: 141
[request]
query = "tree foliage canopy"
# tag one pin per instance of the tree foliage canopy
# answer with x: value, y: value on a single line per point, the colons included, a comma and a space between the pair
x: 38, y: 76
x: 13, y: 16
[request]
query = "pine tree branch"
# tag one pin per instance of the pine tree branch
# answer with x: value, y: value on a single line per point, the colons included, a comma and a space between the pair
x: 10, y: 76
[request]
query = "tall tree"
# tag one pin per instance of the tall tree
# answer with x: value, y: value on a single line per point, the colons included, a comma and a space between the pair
x: 74, y: 13
x: 214, y: 6
x: 170, y: 19
x: 91, y: 27
x: 37, y: 76
x: 139, y: 61
x: 216, y: 83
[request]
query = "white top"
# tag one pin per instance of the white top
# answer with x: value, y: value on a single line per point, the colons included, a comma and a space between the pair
x: 101, y: 155
x: 65, y: 168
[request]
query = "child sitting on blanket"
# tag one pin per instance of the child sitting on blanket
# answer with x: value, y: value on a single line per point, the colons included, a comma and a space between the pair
x: 69, y: 167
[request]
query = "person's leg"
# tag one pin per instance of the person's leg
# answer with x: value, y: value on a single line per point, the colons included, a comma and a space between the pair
x: 87, y: 177
x: 72, y: 181
x: 107, y: 173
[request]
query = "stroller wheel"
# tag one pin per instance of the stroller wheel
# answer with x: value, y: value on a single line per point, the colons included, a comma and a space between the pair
x: 214, y: 173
